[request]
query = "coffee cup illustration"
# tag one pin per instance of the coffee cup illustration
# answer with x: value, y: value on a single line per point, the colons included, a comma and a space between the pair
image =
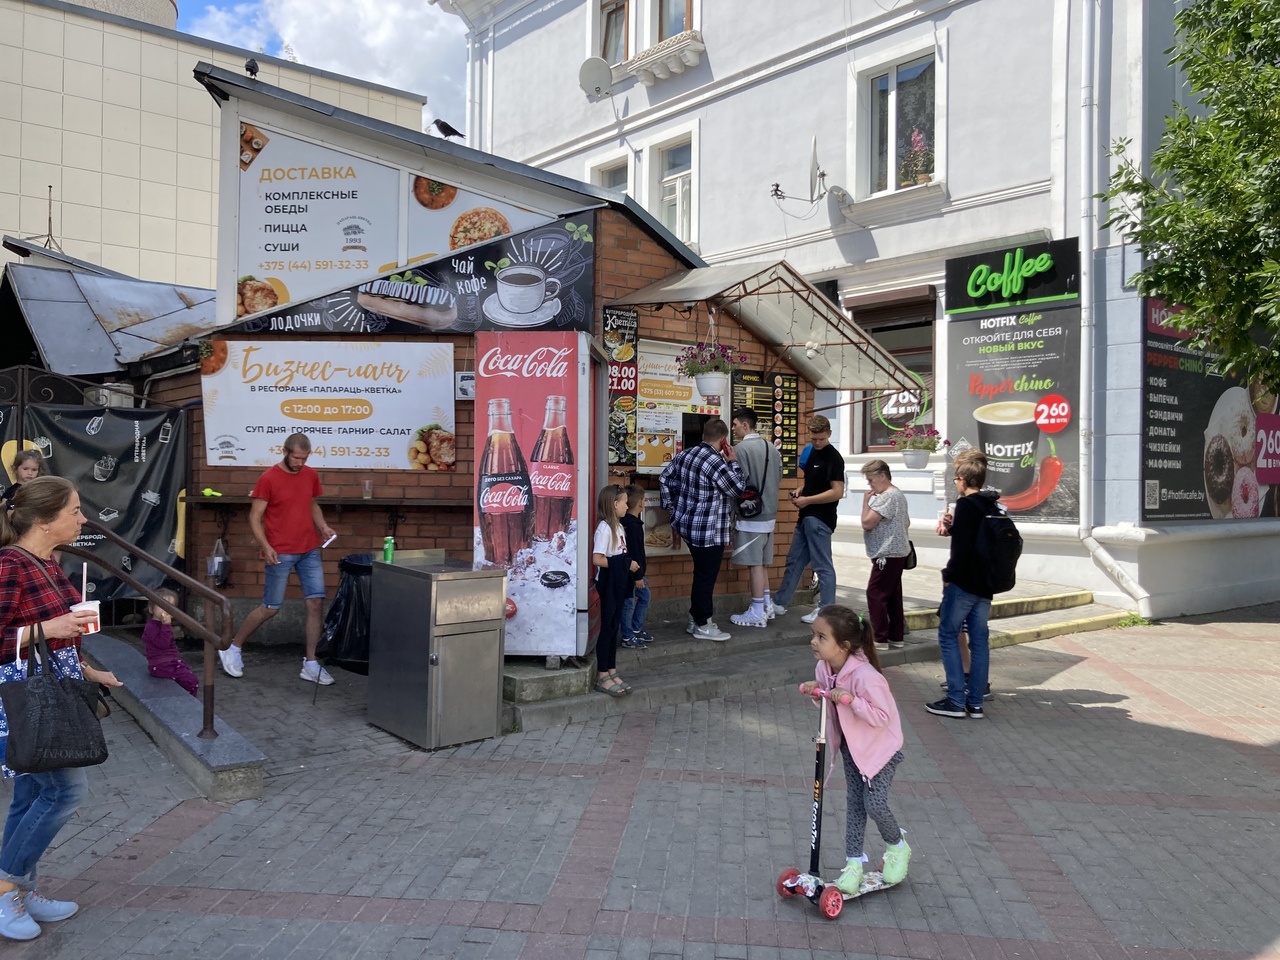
x: 1008, y: 435
x: 523, y: 288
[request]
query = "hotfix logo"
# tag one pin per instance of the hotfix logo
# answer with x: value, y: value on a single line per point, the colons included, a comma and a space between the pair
x: 543, y: 363
x: 1009, y: 451
x: 550, y: 480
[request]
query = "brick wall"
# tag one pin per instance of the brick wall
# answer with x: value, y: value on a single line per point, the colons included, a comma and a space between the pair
x: 628, y: 259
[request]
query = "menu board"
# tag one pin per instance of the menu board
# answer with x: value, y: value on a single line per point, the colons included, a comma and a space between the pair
x: 621, y: 331
x: 775, y: 398
x: 372, y: 406
x: 1210, y: 446
x: 663, y: 396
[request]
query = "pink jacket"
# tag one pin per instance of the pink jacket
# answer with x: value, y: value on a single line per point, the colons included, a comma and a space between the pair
x: 870, y: 724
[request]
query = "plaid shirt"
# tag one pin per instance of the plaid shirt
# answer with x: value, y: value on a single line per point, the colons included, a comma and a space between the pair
x: 27, y: 598
x: 699, y: 488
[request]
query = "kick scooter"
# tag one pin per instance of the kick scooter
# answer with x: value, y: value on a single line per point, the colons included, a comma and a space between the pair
x: 828, y: 897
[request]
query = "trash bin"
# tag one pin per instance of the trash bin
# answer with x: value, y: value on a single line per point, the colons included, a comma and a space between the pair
x: 344, y: 640
x: 435, y: 651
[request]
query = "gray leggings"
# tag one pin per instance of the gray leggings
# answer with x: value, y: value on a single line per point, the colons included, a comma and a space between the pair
x: 868, y: 799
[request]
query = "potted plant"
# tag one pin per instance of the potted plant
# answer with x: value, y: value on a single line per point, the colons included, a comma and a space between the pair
x: 917, y: 162
x: 916, y: 443
x: 710, y: 365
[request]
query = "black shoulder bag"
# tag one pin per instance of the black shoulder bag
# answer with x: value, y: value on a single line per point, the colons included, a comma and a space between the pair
x: 751, y: 500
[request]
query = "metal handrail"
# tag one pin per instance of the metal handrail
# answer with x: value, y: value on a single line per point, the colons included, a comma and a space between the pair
x: 213, y: 640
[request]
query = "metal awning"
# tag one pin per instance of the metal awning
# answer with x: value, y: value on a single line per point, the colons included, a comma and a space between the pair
x: 788, y: 315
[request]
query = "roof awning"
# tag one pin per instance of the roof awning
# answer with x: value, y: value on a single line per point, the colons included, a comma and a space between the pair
x: 788, y: 315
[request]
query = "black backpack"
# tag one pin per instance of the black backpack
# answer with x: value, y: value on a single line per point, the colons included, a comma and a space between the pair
x: 999, y: 545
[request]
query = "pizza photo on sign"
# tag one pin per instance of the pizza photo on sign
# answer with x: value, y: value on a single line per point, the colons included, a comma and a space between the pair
x: 476, y: 226
x: 433, y: 194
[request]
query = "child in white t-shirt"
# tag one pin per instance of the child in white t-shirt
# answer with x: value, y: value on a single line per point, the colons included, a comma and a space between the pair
x: 613, y: 579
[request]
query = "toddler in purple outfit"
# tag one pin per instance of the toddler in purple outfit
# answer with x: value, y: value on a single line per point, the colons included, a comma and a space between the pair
x: 162, y: 653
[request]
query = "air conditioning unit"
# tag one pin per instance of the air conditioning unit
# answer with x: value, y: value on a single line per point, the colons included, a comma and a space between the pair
x: 109, y: 395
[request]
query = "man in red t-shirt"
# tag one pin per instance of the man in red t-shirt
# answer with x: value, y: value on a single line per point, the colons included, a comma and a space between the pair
x: 287, y: 523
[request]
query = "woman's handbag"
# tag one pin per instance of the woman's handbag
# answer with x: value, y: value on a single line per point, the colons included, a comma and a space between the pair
x: 910, y: 562
x: 52, y: 720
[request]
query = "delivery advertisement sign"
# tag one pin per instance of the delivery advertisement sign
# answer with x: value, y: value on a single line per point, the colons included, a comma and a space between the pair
x: 371, y: 406
x: 526, y: 513
x: 1210, y: 445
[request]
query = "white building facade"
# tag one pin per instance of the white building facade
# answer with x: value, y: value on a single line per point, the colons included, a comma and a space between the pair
x: 944, y: 130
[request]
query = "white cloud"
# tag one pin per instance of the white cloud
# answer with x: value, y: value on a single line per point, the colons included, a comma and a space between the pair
x: 408, y: 44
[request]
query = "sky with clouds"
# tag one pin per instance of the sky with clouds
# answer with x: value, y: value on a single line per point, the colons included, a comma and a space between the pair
x: 408, y: 44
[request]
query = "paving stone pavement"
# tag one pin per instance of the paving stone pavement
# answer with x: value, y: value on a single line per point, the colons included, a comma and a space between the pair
x: 1120, y: 801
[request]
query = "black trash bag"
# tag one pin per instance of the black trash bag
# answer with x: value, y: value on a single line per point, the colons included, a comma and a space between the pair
x: 344, y: 640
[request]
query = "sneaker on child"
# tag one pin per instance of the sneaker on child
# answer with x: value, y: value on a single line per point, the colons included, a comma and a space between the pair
x: 44, y: 910
x: 850, y: 879
x: 15, y: 924
x: 634, y: 643
x: 896, y: 858
x: 314, y: 673
x: 232, y: 662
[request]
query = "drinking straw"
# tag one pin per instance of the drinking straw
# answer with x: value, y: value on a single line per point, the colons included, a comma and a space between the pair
x: 84, y: 581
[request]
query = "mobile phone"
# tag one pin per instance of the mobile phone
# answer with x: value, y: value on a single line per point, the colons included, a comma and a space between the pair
x: 724, y: 444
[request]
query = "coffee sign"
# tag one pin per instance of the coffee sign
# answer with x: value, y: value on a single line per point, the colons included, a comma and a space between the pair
x: 1040, y: 273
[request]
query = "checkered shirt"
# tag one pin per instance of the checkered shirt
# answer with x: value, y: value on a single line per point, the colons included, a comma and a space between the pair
x: 699, y: 488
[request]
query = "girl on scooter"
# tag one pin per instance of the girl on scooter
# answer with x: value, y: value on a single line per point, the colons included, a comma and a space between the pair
x: 867, y: 734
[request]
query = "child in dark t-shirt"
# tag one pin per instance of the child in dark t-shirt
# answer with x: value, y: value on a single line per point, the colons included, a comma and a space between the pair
x: 163, y: 661
x: 636, y: 606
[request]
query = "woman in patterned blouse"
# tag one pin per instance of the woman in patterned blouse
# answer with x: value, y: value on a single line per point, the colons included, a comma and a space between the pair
x: 44, y: 514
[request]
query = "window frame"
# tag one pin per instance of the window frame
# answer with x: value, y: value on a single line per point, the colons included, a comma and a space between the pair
x: 662, y: 179
x: 661, y: 21
x: 866, y: 70
x: 605, y: 9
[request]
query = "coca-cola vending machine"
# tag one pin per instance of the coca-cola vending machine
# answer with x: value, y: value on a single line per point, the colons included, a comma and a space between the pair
x: 526, y: 515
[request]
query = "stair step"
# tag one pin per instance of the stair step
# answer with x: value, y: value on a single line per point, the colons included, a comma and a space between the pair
x: 660, y: 678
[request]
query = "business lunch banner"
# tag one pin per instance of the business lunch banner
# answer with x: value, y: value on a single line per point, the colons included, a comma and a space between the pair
x: 372, y: 406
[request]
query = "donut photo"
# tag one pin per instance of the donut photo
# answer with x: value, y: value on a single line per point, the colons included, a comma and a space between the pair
x: 1230, y: 455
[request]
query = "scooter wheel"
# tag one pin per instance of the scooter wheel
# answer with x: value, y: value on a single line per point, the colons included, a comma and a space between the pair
x: 783, y: 890
x: 831, y: 902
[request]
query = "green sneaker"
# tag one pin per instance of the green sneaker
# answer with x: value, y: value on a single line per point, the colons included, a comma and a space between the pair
x: 850, y: 879
x: 896, y: 859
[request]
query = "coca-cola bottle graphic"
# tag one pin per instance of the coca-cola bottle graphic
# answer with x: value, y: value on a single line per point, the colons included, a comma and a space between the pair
x: 551, y: 475
x: 503, y: 496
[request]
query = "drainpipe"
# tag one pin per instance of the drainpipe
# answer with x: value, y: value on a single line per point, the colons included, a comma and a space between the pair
x: 1088, y: 329
x: 448, y: 6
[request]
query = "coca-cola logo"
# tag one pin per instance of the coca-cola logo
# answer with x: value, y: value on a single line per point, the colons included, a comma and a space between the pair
x: 542, y: 363
x: 504, y: 498
x: 550, y: 480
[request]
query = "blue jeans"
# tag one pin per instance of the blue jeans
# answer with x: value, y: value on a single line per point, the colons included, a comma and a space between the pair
x: 962, y: 610
x: 811, y: 546
x: 276, y: 577
x: 634, y: 609
x: 42, y: 805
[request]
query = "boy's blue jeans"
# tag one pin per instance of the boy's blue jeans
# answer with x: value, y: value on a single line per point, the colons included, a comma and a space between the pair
x: 634, y: 610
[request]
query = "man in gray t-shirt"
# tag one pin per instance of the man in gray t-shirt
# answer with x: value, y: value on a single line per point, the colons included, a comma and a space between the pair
x: 761, y: 464
x: 884, y: 525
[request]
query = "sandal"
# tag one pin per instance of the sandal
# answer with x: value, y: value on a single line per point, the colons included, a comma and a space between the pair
x: 626, y: 687
x: 612, y: 689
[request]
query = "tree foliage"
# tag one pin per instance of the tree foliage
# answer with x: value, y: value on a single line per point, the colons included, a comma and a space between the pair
x: 1207, y: 213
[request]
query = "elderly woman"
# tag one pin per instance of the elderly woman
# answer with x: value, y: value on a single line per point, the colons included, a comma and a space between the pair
x: 44, y: 514
x: 885, y: 523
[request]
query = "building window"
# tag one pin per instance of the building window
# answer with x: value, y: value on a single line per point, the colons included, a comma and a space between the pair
x: 675, y: 190
x: 674, y: 18
x: 613, y: 20
x: 614, y: 178
x: 904, y: 329
x: 902, y: 131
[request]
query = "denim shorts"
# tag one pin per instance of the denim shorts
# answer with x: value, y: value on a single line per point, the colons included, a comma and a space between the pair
x: 310, y: 575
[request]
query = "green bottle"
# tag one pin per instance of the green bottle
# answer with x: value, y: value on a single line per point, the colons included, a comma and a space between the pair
x: 389, y: 550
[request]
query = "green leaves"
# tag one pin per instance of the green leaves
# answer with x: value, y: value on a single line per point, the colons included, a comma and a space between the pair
x: 500, y: 264
x: 582, y: 232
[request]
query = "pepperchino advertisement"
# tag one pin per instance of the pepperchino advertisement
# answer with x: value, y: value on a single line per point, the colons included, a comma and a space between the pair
x: 1013, y: 341
x: 542, y: 279
x: 1210, y: 445
x: 527, y: 514
x: 312, y: 217
x: 364, y: 405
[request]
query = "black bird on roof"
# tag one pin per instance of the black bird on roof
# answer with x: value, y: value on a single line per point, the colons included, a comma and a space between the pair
x: 446, y: 130
x: 251, y: 68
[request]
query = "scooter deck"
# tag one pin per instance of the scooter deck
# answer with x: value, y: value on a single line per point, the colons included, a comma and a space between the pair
x: 872, y: 881
x: 807, y: 885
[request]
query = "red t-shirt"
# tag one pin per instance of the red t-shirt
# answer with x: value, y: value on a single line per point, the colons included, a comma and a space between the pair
x: 288, y: 521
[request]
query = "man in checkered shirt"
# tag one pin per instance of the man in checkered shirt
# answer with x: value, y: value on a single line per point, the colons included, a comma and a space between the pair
x: 699, y: 488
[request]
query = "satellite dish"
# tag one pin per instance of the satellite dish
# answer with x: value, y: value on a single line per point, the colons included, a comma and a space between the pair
x: 595, y: 77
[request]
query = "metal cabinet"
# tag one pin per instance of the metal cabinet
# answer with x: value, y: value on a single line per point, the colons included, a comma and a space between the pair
x: 435, y: 651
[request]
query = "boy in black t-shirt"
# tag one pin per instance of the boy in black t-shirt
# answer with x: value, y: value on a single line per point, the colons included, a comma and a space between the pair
x: 818, y: 500
x: 636, y: 605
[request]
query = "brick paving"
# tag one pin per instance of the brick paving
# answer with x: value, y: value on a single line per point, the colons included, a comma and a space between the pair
x: 1120, y: 801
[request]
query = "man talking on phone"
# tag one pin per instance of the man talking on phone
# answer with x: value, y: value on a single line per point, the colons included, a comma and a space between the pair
x: 699, y: 488
x: 289, y: 527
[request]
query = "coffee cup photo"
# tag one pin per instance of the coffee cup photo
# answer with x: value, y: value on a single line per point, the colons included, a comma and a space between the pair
x: 523, y: 287
x: 1009, y: 435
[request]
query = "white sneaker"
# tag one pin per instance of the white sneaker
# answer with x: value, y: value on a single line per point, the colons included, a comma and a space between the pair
x: 709, y: 631
x: 777, y: 610
x: 770, y: 611
x: 319, y: 675
x: 691, y: 627
x: 811, y: 616
x: 232, y: 662
x: 748, y: 619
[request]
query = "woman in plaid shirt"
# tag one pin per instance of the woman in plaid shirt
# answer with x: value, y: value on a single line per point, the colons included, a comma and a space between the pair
x: 43, y: 515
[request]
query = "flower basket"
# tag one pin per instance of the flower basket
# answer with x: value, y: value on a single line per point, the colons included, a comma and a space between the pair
x: 712, y: 384
x: 916, y: 443
x: 710, y: 365
x: 916, y: 459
